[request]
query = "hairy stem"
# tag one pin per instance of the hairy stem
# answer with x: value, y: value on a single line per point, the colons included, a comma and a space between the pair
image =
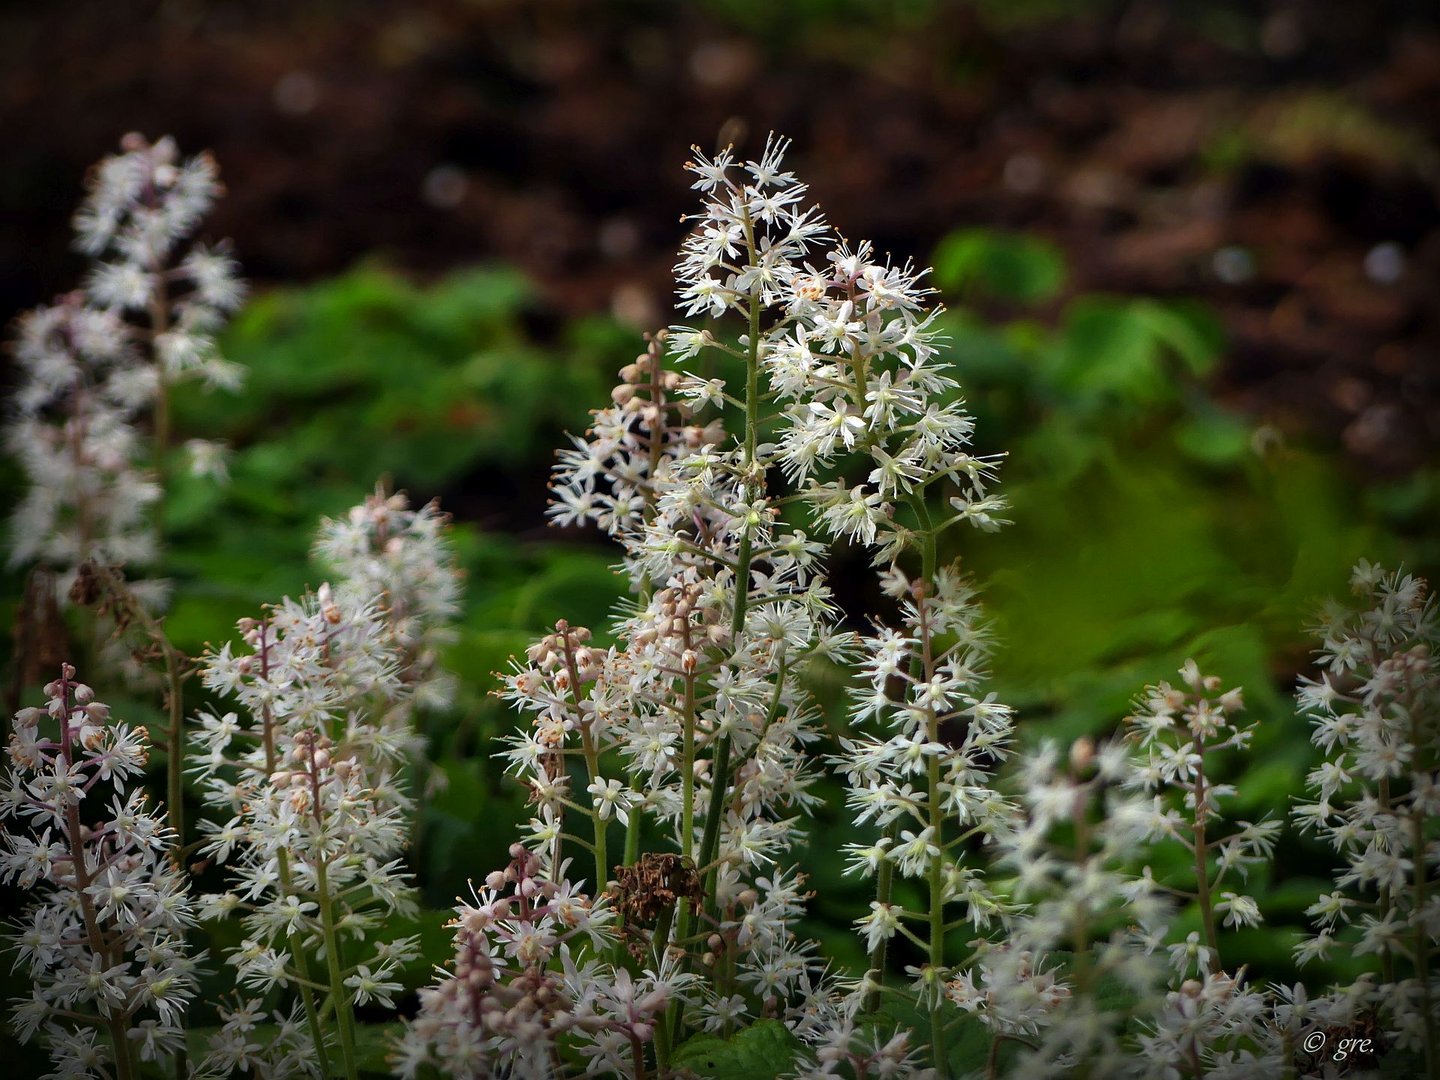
x: 884, y: 889
x: 687, y: 775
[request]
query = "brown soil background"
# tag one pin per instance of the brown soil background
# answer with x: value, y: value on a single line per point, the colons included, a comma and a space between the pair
x: 1277, y: 160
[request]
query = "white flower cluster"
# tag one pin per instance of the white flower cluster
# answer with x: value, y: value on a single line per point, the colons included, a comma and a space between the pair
x: 1375, y: 706
x: 521, y: 979
x: 313, y: 816
x: 925, y: 778
x: 74, y: 433
x: 104, y: 944
x: 402, y: 560
x: 851, y: 355
x: 648, y: 711
x: 142, y: 206
x: 698, y: 718
x: 1068, y: 851
x: 843, y: 1046
x: 1175, y: 729
x: 1218, y: 1027
x: 97, y: 362
x: 282, y: 1051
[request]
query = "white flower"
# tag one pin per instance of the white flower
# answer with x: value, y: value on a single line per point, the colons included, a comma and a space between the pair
x: 104, y: 939
x: 374, y: 986
x: 610, y: 797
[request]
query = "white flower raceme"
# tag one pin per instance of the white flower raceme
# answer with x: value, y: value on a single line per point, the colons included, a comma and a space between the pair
x: 400, y: 559
x: 1375, y: 707
x: 1013, y: 992
x: 1216, y: 1027
x: 923, y: 775
x: 1178, y: 731
x: 97, y: 365
x: 143, y: 205
x: 701, y: 700
x: 104, y: 943
x: 312, y: 817
x: 1068, y: 851
x: 850, y: 354
x: 843, y: 1046
x: 74, y: 433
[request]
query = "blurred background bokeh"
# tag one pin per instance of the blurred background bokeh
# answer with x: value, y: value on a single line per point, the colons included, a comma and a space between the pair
x: 1191, y: 253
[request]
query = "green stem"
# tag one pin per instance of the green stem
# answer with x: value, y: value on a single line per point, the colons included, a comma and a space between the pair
x: 592, y: 767
x: 632, y: 831
x: 720, y: 775
x: 344, y: 1013
x: 302, y: 965
x: 1080, y: 930
x: 592, y: 760
x: 884, y: 889
x: 175, y: 776
x: 175, y: 786
x: 661, y: 940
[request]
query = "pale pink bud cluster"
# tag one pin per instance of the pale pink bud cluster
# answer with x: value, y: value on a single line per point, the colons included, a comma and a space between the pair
x: 519, y: 983
x: 613, y: 475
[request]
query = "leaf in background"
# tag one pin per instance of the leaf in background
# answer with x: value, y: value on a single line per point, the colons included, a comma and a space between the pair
x: 373, y: 1046
x: 765, y: 1049
x: 1115, y: 350
x: 1012, y: 267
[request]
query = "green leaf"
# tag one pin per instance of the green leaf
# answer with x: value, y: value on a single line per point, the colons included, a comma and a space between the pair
x: 1003, y: 266
x: 1116, y: 350
x: 373, y: 1044
x: 764, y: 1049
